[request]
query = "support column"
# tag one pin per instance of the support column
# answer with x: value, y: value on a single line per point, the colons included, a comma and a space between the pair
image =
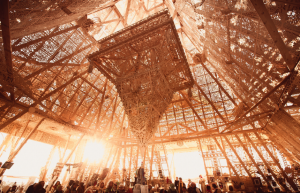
x: 165, y: 152
x: 225, y: 155
x: 252, y: 159
x: 291, y: 182
x: 237, y: 155
x: 151, y: 162
x: 263, y: 159
x: 45, y: 168
x: 130, y: 163
x: 200, y: 147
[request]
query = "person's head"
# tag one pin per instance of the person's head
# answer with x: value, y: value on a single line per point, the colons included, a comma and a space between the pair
x: 110, y: 184
x: 180, y: 179
x: 71, y: 182
x: 207, y: 187
x: 230, y: 188
x: 121, y: 187
x: 102, y: 185
x: 57, y: 183
x: 14, y: 187
x: 193, y: 185
x: 176, y: 178
x: 115, y: 186
x: 214, y: 186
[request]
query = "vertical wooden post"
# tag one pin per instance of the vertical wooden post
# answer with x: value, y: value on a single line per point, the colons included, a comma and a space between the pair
x: 13, y: 155
x: 72, y: 151
x: 225, y: 155
x: 65, y: 149
x: 137, y: 157
x: 124, y: 160
x: 151, y: 162
x: 291, y: 182
x: 130, y: 163
x: 237, y: 155
x: 252, y: 159
x: 203, y: 159
x: 263, y: 159
x: 43, y: 178
x: 165, y: 152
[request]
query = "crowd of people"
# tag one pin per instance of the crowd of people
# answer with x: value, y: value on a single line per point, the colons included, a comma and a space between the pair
x: 78, y: 187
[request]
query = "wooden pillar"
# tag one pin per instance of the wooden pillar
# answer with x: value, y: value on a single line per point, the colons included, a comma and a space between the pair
x: 110, y: 152
x: 237, y: 155
x: 137, y: 157
x: 5, y: 143
x: 13, y: 155
x: 225, y: 155
x: 291, y: 182
x: 124, y: 160
x: 65, y: 149
x: 200, y: 146
x: 72, y: 151
x: 130, y: 163
x: 165, y: 152
x: 151, y: 162
x: 252, y: 159
x: 263, y: 159
x: 43, y: 177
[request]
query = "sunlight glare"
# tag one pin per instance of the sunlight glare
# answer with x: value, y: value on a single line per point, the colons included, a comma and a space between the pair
x: 94, y: 151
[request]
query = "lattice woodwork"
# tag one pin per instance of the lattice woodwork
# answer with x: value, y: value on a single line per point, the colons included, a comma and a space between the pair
x: 238, y: 52
x: 147, y: 64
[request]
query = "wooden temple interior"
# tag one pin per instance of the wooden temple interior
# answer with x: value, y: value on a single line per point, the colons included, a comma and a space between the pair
x: 148, y: 78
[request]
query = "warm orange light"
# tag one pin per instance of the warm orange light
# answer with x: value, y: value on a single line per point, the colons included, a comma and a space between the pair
x: 93, y: 151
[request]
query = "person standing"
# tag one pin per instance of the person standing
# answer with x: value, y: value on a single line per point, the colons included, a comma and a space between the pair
x: 176, y: 183
x: 193, y: 188
x: 80, y: 188
x: 181, y: 185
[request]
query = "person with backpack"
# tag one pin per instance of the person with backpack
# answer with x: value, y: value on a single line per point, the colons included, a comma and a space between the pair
x: 172, y: 189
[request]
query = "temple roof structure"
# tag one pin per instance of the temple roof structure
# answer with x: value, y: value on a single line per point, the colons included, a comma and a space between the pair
x: 243, y: 57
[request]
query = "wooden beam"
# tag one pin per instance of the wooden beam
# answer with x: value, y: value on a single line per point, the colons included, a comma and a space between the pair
x: 202, y: 155
x: 225, y: 155
x: 130, y: 162
x: 194, y: 111
x: 253, y: 161
x: 219, y: 84
x: 263, y: 159
x: 290, y: 181
x: 72, y: 151
x: 260, y: 101
x: 211, y: 103
x: 8, y: 68
x: 237, y: 155
x: 151, y: 162
x: 264, y: 15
